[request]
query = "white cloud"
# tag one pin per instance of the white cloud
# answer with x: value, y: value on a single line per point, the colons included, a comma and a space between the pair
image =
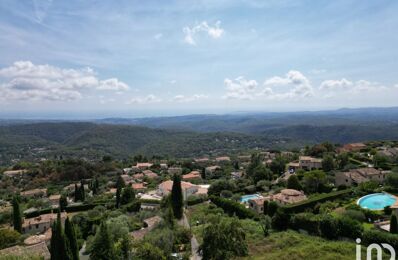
x: 347, y: 85
x: 301, y: 86
x: 240, y: 88
x: 182, y: 98
x: 144, y: 100
x: 173, y: 81
x: 112, y: 84
x: 214, y: 32
x: 335, y: 84
x: 27, y: 81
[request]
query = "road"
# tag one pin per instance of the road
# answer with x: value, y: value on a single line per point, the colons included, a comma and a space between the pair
x: 194, y: 242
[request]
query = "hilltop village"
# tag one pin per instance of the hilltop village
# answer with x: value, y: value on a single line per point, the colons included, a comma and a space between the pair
x: 211, y: 207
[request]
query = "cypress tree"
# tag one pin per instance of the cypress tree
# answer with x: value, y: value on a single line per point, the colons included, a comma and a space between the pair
x: 102, y: 246
x: 119, y: 185
x: 82, y: 192
x: 70, y: 235
x: 77, y: 193
x: 128, y: 195
x: 393, y: 224
x: 63, y: 202
x: 16, y: 215
x: 176, y: 197
x: 58, y: 245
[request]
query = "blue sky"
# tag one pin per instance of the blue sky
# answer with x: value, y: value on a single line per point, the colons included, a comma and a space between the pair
x: 139, y: 58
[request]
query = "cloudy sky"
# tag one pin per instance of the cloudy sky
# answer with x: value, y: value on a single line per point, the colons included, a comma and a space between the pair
x: 139, y: 58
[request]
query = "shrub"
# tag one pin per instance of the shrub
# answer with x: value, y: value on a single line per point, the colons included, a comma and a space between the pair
x: 306, y: 221
x: 328, y: 227
x: 350, y: 228
x: 378, y: 237
x: 272, y: 208
x: 233, y: 208
x: 281, y: 219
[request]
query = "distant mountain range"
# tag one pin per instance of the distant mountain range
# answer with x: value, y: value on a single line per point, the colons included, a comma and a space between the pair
x: 193, y: 135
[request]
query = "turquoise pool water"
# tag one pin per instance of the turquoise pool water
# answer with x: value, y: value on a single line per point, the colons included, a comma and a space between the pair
x: 245, y: 198
x: 376, y: 201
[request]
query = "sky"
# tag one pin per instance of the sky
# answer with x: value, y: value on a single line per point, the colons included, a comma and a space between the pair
x: 148, y: 58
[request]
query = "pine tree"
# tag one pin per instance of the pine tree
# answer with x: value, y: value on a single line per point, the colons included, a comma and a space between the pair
x: 58, y: 246
x: 70, y: 235
x: 176, y: 197
x: 17, y: 217
x: 102, y: 246
x: 393, y: 224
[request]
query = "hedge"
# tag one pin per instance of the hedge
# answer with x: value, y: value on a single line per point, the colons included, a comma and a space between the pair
x: 193, y: 200
x: 149, y: 201
x: 301, y: 206
x: 233, y: 208
x: 378, y: 237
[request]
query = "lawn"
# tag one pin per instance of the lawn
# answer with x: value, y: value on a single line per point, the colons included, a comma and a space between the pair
x: 293, y: 245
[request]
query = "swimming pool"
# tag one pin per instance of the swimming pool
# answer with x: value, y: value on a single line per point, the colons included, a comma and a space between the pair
x: 245, y: 198
x: 376, y: 201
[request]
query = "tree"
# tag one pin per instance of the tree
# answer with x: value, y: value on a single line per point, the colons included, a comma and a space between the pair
x: 59, y: 248
x: 77, y: 193
x: 70, y: 234
x: 119, y: 186
x: 272, y: 208
x: 265, y: 223
x: 327, y: 163
x: 393, y: 224
x: 82, y: 192
x: 313, y: 181
x: 280, y: 220
x: 224, y: 238
x: 265, y: 207
x: 177, y: 197
x: 293, y: 183
x: 63, y: 202
x: 278, y: 165
x: 16, y: 215
x: 342, y: 160
x: 102, y: 248
x: 8, y: 237
x: 261, y: 173
x: 147, y: 251
x: 329, y: 227
x: 219, y: 185
x: 128, y: 195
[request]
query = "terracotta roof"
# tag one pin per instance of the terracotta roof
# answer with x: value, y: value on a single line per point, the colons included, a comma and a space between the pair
x: 144, y: 165
x: 45, y: 218
x: 223, y: 158
x: 138, y: 186
x: 27, y: 251
x: 34, y: 192
x: 167, y: 185
x: 138, y: 176
x: 192, y: 175
x: 150, y: 174
x: 35, y: 239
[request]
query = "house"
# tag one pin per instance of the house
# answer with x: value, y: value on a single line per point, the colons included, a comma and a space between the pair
x: 138, y: 176
x: 14, y: 173
x: 139, y: 187
x: 388, y: 152
x: 309, y: 163
x: 188, y: 189
x: 35, y: 193
x: 144, y: 166
x: 164, y: 166
x: 357, y: 176
x: 223, y: 159
x: 257, y: 204
x: 35, y: 239
x: 54, y: 199
x: 174, y: 170
x: 41, y: 223
x: 127, y: 179
x: 201, y: 160
x: 288, y: 196
x: 353, y: 147
x: 211, y: 170
x: 150, y: 174
x: 193, y: 175
x: 39, y: 250
x: 244, y: 158
x: 236, y: 175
